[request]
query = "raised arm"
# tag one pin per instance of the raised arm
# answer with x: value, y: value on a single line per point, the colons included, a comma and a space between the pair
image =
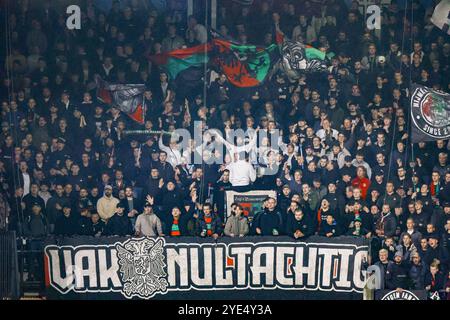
x: 162, y: 146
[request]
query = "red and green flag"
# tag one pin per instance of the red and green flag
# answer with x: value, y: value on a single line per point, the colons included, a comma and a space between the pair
x: 180, y: 60
x: 243, y: 65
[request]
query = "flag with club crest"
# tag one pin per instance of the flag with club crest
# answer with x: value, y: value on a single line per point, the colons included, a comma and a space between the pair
x: 243, y: 65
x: 430, y: 114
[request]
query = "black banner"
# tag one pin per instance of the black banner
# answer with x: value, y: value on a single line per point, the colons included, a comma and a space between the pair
x: 198, y: 268
x: 401, y: 295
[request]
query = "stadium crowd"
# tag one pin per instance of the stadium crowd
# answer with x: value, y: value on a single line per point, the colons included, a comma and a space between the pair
x: 346, y: 163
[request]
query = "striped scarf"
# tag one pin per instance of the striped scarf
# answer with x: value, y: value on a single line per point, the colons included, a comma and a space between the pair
x: 208, y: 221
x: 175, y: 230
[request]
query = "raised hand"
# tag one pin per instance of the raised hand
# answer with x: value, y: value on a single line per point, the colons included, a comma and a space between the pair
x: 150, y: 199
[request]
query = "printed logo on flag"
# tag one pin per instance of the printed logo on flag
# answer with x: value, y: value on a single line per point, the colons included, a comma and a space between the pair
x: 431, y: 112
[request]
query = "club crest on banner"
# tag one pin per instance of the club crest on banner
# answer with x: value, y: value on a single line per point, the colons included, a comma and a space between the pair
x: 400, y: 295
x: 142, y: 267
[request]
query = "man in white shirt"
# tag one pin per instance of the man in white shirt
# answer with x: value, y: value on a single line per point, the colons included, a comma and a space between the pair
x: 242, y: 174
x: 173, y: 152
x: 26, y: 178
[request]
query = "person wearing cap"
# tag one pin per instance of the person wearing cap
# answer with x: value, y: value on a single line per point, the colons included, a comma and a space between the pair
x: 397, y: 273
x: 358, y: 230
x: 106, y: 205
x: 61, y: 152
x: 119, y: 224
x: 378, y: 181
x: 148, y: 224
x: 348, y: 171
x: 66, y: 223
x: 383, y: 70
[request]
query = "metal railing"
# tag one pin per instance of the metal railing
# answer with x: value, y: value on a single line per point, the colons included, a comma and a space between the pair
x: 9, y: 273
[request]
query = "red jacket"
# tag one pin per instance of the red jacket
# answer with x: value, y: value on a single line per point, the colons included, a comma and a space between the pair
x: 363, y: 184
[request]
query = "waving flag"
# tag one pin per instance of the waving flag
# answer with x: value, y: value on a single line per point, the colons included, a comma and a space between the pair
x: 430, y: 114
x: 441, y: 16
x: 298, y: 58
x: 182, y: 59
x: 128, y: 98
x: 243, y: 65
